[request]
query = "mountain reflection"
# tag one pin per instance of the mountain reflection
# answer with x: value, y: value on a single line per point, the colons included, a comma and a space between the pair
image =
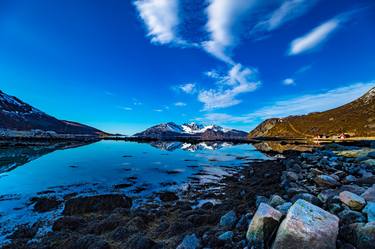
x: 15, y: 155
x: 192, y: 147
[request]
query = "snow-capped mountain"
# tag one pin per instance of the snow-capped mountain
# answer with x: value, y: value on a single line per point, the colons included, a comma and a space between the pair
x: 19, y: 119
x: 170, y: 131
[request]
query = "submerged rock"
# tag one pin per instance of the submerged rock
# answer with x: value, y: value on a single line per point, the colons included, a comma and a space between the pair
x: 262, y: 226
x: 168, y: 196
x: 352, y: 200
x: 307, y: 226
x: 45, y: 204
x: 98, y: 203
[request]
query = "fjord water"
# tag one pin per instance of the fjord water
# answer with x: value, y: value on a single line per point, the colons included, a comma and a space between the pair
x: 97, y: 168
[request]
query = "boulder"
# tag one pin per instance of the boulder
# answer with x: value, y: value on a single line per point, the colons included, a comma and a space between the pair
x: 326, y: 181
x: 259, y: 199
x: 98, y: 203
x: 369, y: 194
x: 140, y: 241
x: 189, y: 242
x: 283, y: 208
x: 349, y: 216
x: 228, y: 220
x: 369, y: 210
x: 353, y: 188
x: 276, y: 200
x: 365, y: 236
x: 307, y: 226
x: 371, y: 154
x: 327, y: 194
x: 262, y: 226
x: 68, y: 223
x: 352, y: 200
x: 307, y: 197
x: 226, y: 236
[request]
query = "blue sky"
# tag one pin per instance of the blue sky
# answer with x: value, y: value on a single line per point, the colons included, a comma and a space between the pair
x: 122, y: 66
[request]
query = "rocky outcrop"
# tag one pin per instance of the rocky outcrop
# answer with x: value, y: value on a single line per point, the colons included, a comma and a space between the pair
x: 354, y: 119
x: 262, y: 226
x: 98, y: 203
x: 307, y: 226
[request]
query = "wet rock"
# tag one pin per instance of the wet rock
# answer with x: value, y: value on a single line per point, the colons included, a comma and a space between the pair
x: 307, y: 197
x: 228, y: 220
x: 24, y: 232
x: 98, y: 203
x: 307, y: 226
x: 45, y: 204
x: 326, y: 180
x: 226, y: 236
x: 353, y: 188
x: 369, y: 210
x: 327, y: 194
x: 371, y: 154
x: 68, y: 223
x: 140, y: 241
x: 276, y: 200
x: 262, y: 226
x: 90, y: 242
x: 350, y: 178
x: 259, y: 199
x: 369, y: 194
x: 349, y: 216
x: 189, y: 242
x: 168, y: 196
x: 284, y: 207
x: 365, y: 236
x: 352, y: 200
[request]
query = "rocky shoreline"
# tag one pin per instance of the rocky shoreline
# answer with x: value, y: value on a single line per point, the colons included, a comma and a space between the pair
x: 323, y: 199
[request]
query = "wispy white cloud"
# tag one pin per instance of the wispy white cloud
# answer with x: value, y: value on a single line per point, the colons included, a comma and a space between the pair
x: 318, y: 35
x: 299, y: 105
x: 188, y: 88
x: 314, y: 102
x: 158, y: 110
x: 238, y: 80
x: 218, y: 118
x: 126, y: 108
x: 180, y: 104
x: 225, y: 19
x: 161, y: 19
x: 288, y: 10
x: 288, y: 81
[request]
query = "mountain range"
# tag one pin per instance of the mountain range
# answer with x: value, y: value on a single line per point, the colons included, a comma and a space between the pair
x: 170, y: 131
x: 355, y: 119
x: 19, y: 119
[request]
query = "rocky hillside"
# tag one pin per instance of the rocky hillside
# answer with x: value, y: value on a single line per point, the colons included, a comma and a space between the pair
x: 356, y: 119
x: 171, y: 131
x: 18, y: 118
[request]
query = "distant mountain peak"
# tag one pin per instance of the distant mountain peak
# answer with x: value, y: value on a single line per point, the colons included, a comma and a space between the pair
x: 18, y: 118
x: 190, y: 130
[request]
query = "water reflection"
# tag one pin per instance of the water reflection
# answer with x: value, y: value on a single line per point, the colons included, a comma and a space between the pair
x: 13, y: 156
x: 192, y: 147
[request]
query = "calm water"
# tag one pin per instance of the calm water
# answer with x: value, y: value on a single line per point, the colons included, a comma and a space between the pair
x: 97, y: 168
